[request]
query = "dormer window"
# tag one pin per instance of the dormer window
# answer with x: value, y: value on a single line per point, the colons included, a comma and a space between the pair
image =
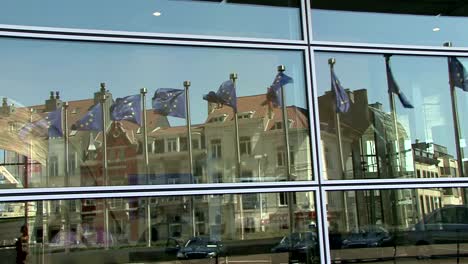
x: 279, y: 124
x: 219, y: 119
x: 245, y: 115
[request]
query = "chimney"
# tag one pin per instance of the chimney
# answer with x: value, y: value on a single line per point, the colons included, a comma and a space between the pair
x: 54, y: 102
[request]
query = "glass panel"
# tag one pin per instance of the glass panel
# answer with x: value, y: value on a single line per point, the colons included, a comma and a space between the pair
x: 280, y: 20
x: 370, y: 147
x: 207, y: 229
x: 126, y: 68
x: 398, y: 226
x: 410, y: 23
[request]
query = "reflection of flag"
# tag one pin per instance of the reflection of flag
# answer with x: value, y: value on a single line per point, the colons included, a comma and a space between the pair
x: 226, y: 95
x: 458, y: 74
x: 274, y: 92
x: 50, y: 126
x: 92, y: 120
x: 127, y: 108
x: 169, y: 102
x: 393, y: 88
x: 341, y: 97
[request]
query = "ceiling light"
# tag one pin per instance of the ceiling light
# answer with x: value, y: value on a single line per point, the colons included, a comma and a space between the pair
x: 156, y: 13
x: 436, y: 29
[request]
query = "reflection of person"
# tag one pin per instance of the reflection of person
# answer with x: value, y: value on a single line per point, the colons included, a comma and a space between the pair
x: 22, y: 248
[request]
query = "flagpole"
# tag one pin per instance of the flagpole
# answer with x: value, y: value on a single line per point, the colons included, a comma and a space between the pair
x: 104, y: 162
x: 281, y: 69
x: 391, y: 96
x: 143, y: 92
x: 233, y: 77
x: 332, y: 62
x: 67, y: 171
x: 190, y: 153
x: 456, y: 123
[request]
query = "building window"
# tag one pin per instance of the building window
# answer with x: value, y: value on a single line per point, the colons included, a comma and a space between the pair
x: 72, y: 163
x: 159, y: 146
x: 418, y: 173
x: 281, y: 157
x: 245, y: 145
x: 53, y: 166
x: 172, y: 145
x: 219, y: 119
x: 283, y: 198
x: 183, y: 143
x: 216, y: 148
x: 246, y: 115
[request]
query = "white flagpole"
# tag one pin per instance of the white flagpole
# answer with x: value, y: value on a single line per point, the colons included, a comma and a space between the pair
x: 233, y: 77
x: 281, y: 69
x: 456, y: 123
x: 67, y: 171
x: 391, y: 96
x: 104, y: 162
x: 190, y: 153
x: 143, y: 92
x: 332, y: 62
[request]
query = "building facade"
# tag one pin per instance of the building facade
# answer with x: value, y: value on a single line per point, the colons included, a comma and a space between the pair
x: 262, y: 131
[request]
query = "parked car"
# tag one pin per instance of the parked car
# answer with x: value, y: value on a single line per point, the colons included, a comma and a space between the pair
x: 201, y: 247
x: 300, y: 245
x: 368, y: 236
x: 448, y: 224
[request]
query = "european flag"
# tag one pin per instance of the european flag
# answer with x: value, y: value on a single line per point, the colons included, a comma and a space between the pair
x: 52, y: 123
x: 127, y: 108
x: 92, y: 120
x: 169, y: 102
x: 458, y: 74
x: 226, y: 95
x: 393, y: 88
x: 274, y: 92
x: 341, y: 97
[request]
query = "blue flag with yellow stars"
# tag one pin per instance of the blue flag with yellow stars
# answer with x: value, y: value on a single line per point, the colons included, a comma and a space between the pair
x: 50, y: 126
x: 226, y: 95
x: 393, y: 88
x: 127, y: 108
x: 341, y: 97
x: 54, y: 123
x: 169, y: 102
x: 458, y: 74
x: 274, y: 92
x: 92, y: 120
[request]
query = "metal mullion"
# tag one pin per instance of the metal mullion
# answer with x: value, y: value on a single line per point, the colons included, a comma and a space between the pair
x: 394, y: 186
x: 361, y: 45
x: 148, y: 193
x: 310, y: 28
x: 310, y: 94
x: 88, y: 33
x: 325, y: 255
x: 394, y: 181
x: 304, y: 25
x: 365, y: 50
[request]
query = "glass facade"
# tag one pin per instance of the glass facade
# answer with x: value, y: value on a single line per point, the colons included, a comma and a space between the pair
x: 233, y: 131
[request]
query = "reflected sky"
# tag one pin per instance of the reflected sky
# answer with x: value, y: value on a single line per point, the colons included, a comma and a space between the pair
x: 424, y: 80
x: 185, y: 17
x: 32, y: 68
x: 364, y: 27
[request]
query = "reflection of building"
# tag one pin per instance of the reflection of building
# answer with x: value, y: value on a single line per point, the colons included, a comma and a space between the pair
x: 376, y: 146
x: 214, y: 161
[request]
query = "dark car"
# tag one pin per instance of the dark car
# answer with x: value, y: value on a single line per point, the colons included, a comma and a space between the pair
x: 302, y: 246
x: 368, y: 236
x: 201, y: 247
x: 444, y: 225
